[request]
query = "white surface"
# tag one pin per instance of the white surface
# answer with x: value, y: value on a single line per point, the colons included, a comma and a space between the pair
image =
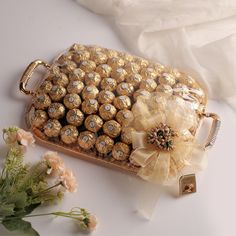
x: 40, y: 29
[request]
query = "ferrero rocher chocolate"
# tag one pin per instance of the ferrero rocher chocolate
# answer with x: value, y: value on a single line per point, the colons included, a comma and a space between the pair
x: 93, y: 123
x: 120, y: 151
x: 132, y: 67
x: 110, y: 53
x: 61, y: 79
x: 90, y: 106
x: 167, y: 78
x: 56, y: 110
x: 90, y: 91
x: 187, y: 80
x: 75, y: 86
x: 140, y: 92
x: 72, y: 100
x: 99, y: 57
x: 69, y: 134
x: 76, y: 47
x: 105, y: 96
x: 127, y: 57
x: 87, y: 66
x: 38, y: 118
x: 107, y: 111
x: 115, y: 62
x: 104, y: 70
x: 104, y: 144
x: 148, y: 84
x: 41, y: 101
x: 164, y: 88
x: 158, y: 68
x: 124, y: 117
x: 141, y: 62
x: 125, y: 89
x: 86, y: 140
x: 134, y: 79
x: 126, y: 135
x: 92, y: 78
x: 119, y: 74
x: 108, y: 84
x: 75, y: 117
x: 77, y: 74
x: 112, y: 128
x: 68, y: 66
x: 46, y: 86
x: 52, y: 128
x: 81, y: 55
x: 148, y: 73
x: 122, y: 102
x: 57, y: 92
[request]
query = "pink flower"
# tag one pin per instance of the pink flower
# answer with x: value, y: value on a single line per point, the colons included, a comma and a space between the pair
x: 24, y: 138
x: 92, y: 223
x: 68, y: 181
x: 54, y: 162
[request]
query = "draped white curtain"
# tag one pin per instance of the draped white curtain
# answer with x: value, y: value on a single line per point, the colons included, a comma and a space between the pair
x: 196, y: 36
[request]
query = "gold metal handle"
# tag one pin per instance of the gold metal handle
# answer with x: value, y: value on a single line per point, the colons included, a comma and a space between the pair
x: 215, y: 126
x: 28, y: 74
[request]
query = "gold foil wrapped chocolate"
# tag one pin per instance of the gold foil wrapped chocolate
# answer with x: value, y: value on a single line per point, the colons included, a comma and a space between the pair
x: 120, y: 151
x: 86, y: 140
x: 164, y: 88
x: 93, y: 123
x: 99, y: 57
x: 81, y: 55
x: 104, y: 70
x: 105, y: 96
x: 148, y: 85
x: 90, y: 92
x: 140, y: 92
x: 134, y: 79
x: 68, y: 66
x: 122, y: 102
x: 126, y: 135
x: 87, y: 66
x: 38, y: 118
x: 75, y: 117
x: 116, y: 62
x: 110, y: 53
x: 148, y: 73
x: 125, y: 89
x: 46, y: 86
x: 57, y: 92
x: 167, y: 78
x: 107, y: 111
x: 52, y: 128
x: 92, y: 78
x: 41, y: 101
x: 124, y: 117
x: 61, y: 79
x: 69, y: 134
x: 112, y: 128
x: 132, y: 67
x: 119, y: 74
x: 56, y: 110
x: 72, y: 100
x: 90, y: 106
x: 108, y: 84
x: 104, y: 144
x: 75, y: 86
x: 77, y: 74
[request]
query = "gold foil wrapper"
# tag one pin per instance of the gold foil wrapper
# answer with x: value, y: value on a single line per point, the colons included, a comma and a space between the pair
x: 81, y: 55
x: 105, y: 96
x: 57, y: 92
x: 92, y: 78
x: 72, y: 100
x: 119, y: 74
x: 167, y: 78
x: 122, y: 102
x: 148, y: 84
x: 164, y: 88
x: 62, y: 80
x: 116, y: 62
x: 52, y: 128
x: 109, y: 84
x: 148, y: 73
x: 104, y: 70
x: 86, y: 140
x: 132, y: 67
x: 124, y: 117
x: 75, y: 117
x: 68, y: 66
x: 99, y: 57
x: 87, y: 66
x: 120, y: 151
x: 75, y: 86
x: 112, y: 128
x: 38, y: 118
x: 126, y: 135
x: 93, y: 123
x: 90, y: 106
x: 56, y: 110
x: 90, y: 92
x: 41, y: 101
x: 104, y: 144
x: 69, y: 134
x: 125, y: 89
x: 45, y: 87
x: 77, y: 74
x: 134, y: 79
x: 140, y: 92
x: 107, y: 111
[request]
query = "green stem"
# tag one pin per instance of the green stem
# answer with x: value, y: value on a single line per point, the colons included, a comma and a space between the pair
x: 46, y: 190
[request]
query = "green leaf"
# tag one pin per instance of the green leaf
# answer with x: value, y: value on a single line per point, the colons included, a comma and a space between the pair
x: 20, y: 226
x: 6, y: 209
x: 19, y: 199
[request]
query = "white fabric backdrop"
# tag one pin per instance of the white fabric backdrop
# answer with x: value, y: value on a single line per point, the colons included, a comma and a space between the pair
x: 196, y: 36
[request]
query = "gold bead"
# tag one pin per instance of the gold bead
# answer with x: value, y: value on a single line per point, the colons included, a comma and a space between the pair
x: 93, y: 123
x: 90, y: 106
x: 52, y: 128
x: 57, y: 92
x: 69, y: 134
x: 38, y: 118
x: 116, y: 62
x: 126, y: 135
x: 107, y: 111
x: 108, y: 84
x: 112, y: 128
x: 81, y: 55
x: 56, y: 110
x: 148, y: 73
x: 122, y: 102
x: 120, y: 151
x: 87, y: 66
x: 125, y: 89
x: 164, y: 88
x: 75, y: 86
x: 104, y: 144
x: 119, y: 74
x: 140, y: 92
x: 134, y: 79
x: 86, y: 140
x: 92, y: 78
x: 132, y: 67
x: 167, y: 78
x: 72, y: 100
x: 105, y: 96
x: 41, y: 101
x: 124, y: 117
x: 45, y: 87
x: 75, y: 117
x: 104, y: 70
x: 148, y: 84
x: 77, y: 74
x: 99, y: 57
x: 90, y: 92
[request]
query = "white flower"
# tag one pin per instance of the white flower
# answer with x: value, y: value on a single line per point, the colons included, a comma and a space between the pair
x: 68, y: 181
